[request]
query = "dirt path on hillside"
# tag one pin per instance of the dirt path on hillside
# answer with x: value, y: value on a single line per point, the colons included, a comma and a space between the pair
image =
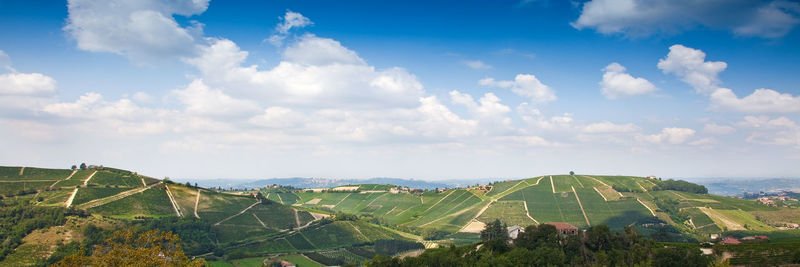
x: 448, y: 216
x: 259, y: 220
x: 358, y: 230
x: 579, y: 181
x: 601, y: 194
x: 102, y: 201
x: 21, y: 170
x: 237, y: 214
x: 527, y: 212
x: 296, y: 218
x: 71, y: 197
x: 596, y: 180
x: 648, y: 208
x: 440, y: 200
x: 640, y: 186
x: 173, y: 202
x: 86, y: 182
x: 340, y: 201
x: 279, y: 198
x: 581, y: 205
x: 70, y: 176
x: 728, y: 223
x: 143, y: 183
x: 552, y: 184
x: 197, y: 201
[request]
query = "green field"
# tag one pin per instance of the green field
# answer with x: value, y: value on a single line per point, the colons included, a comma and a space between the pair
x: 39, y: 174
x: 215, y: 207
x: 12, y: 188
x: 103, y: 178
x: 508, y: 212
x: 152, y: 202
x: 56, y: 197
x: 87, y: 194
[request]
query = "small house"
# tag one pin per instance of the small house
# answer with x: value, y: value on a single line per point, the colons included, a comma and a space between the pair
x: 565, y: 228
x: 730, y: 241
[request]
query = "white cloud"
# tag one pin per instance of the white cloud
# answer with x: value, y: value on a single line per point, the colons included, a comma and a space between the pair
x: 476, y: 64
x: 316, y: 72
x: 491, y: 114
x: 778, y: 131
x: 689, y: 64
x: 672, y: 136
x: 771, y: 21
x: 526, y: 85
x: 438, y: 120
x: 199, y: 99
x: 760, y: 101
x: 312, y: 50
x: 279, y: 117
x: 767, y: 19
x: 30, y: 84
x: 292, y: 20
x: 609, y: 127
x: 713, y: 128
x: 288, y: 21
x: 617, y: 83
x: 144, y: 31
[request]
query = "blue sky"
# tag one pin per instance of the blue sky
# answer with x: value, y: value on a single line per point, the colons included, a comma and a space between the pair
x: 410, y: 89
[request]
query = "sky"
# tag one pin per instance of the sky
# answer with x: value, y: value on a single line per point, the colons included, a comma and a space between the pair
x: 431, y: 90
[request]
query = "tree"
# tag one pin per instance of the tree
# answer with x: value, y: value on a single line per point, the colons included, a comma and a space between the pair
x: 74, y: 167
x: 495, y: 236
x: 127, y: 248
x: 83, y: 166
x: 571, y: 173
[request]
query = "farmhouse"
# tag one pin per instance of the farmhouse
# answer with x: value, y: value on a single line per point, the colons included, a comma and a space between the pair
x: 730, y: 241
x: 513, y: 231
x: 565, y: 228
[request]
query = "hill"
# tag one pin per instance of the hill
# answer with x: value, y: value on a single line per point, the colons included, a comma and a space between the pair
x: 344, y: 221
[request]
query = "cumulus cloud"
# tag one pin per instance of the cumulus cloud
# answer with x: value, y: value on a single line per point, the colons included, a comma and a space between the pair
x: 201, y: 100
x: 689, y: 64
x: 144, y: 31
x: 765, y: 130
x: 713, y: 128
x: 289, y: 21
x: 489, y: 112
x: 315, y: 71
x: 31, y: 84
x: 476, y: 64
x: 765, y: 18
x: 526, y: 85
x: 617, y: 83
x: 673, y: 136
x: 760, y: 101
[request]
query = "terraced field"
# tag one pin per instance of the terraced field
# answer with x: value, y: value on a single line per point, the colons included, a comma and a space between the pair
x: 90, y: 193
x: 103, y: 178
x: 152, y: 202
x: 509, y: 212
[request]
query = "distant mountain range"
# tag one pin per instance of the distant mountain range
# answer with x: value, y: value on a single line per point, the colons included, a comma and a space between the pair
x: 737, y: 186
x: 300, y: 182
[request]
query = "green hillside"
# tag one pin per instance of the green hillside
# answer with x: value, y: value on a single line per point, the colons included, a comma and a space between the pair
x: 329, y: 222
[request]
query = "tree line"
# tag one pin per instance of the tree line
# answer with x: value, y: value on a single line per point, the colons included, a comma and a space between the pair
x: 543, y: 245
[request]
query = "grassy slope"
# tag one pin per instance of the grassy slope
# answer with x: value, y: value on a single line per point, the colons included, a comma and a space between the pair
x: 152, y: 202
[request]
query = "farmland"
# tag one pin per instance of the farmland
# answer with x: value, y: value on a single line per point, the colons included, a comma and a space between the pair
x: 283, y: 222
